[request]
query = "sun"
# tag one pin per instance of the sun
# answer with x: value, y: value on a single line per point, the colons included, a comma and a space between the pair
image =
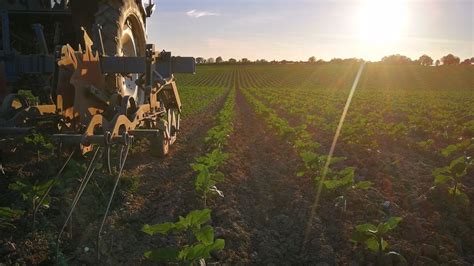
x: 381, y: 21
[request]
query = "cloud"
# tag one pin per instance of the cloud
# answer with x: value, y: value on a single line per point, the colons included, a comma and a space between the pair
x: 197, y: 14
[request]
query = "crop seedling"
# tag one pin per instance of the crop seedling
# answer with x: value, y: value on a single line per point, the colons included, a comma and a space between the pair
x: 32, y: 193
x: 7, y: 216
x: 343, y: 183
x: 453, y: 174
x: 40, y: 143
x: 373, y: 236
x: 200, y: 239
x: 208, y: 175
x: 28, y: 94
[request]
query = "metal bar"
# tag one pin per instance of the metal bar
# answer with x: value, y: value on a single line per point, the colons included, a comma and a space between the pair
x: 101, y: 43
x: 5, y: 31
x: 88, y: 140
x: 15, y: 130
x: 184, y: 65
x: 119, y: 64
x: 144, y: 132
x: 38, y: 28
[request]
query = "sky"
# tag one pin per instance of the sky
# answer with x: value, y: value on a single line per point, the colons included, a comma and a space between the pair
x: 326, y: 29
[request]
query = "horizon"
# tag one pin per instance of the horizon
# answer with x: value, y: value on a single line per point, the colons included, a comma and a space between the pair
x: 324, y: 29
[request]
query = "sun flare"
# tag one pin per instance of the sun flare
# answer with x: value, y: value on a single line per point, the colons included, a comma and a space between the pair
x: 382, y: 21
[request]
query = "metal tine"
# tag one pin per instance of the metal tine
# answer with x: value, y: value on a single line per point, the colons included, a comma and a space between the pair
x: 122, y: 164
x: 90, y: 170
x: 56, y: 178
x: 121, y: 155
x: 109, y: 166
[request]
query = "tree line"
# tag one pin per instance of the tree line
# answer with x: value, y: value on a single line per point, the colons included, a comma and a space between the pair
x: 395, y: 59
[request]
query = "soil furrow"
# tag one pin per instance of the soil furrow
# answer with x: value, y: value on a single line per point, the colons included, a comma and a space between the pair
x: 266, y: 207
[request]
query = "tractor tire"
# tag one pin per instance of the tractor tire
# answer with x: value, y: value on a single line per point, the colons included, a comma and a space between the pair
x: 123, y: 34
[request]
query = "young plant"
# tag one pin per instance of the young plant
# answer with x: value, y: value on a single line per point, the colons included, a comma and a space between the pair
x: 32, y: 100
x: 40, y: 143
x: 453, y: 174
x: 208, y: 175
x: 200, y: 244
x: 32, y: 193
x: 373, y: 236
x: 7, y: 216
x: 343, y: 183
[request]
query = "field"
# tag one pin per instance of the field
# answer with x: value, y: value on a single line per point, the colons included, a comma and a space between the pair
x: 252, y: 148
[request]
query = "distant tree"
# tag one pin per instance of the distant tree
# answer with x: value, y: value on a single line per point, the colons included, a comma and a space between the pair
x: 466, y: 62
x: 336, y: 60
x: 245, y: 61
x: 320, y: 61
x: 450, y: 59
x: 353, y: 60
x: 232, y: 61
x: 210, y: 60
x: 437, y: 63
x: 219, y: 60
x: 425, y: 60
x: 312, y: 60
x: 200, y: 60
x: 397, y: 59
x: 261, y: 61
x: 472, y: 60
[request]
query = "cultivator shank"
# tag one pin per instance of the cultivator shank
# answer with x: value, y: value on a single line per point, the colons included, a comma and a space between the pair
x: 88, y: 111
x: 93, y: 98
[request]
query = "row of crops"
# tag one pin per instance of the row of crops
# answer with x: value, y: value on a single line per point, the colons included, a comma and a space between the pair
x: 401, y: 143
x: 195, y: 226
x: 405, y: 150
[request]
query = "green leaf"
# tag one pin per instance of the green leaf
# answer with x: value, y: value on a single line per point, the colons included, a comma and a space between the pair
x: 308, y: 156
x: 7, y: 213
x: 363, y: 185
x: 372, y: 244
x: 348, y: 171
x: 366, y: 228
x: 382, y: 228
x: 205, y: 234
x: 219, y: 244
x: 163, y: 228
x: 199, y: 217
x: 359, y: 237
x: 193, y: 253
x: 300, y: 173
x: 458, y: 166
x: 448, y: 150
x: 454, y: 192
x: 393, y: 222
x: 41, y: 188
x: 441, y: 179
x: 384, y: 244
x: 332, y: 184
x: 442, y: 170
x: 167, y: 254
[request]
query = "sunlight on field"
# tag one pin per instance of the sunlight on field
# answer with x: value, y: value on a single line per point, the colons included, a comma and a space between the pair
x: 382, y: 21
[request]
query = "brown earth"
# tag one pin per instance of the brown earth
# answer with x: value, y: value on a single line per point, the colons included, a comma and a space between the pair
x: 265, y: 210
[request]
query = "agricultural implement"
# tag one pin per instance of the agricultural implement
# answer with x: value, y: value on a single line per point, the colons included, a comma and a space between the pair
x: 112, y: 89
